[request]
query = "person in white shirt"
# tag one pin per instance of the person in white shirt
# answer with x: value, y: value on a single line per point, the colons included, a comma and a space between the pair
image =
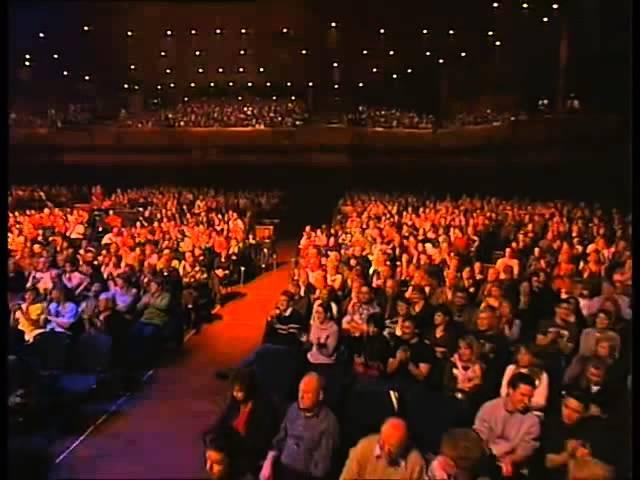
x: 61, y: 313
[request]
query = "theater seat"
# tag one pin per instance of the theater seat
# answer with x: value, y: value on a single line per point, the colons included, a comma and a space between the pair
x: 90, y: 364
x: 278, y: 372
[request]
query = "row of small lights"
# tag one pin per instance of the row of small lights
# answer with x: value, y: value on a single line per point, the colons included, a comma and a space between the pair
x: 240, y: 98
x: 336, y: 86
x: 285, y: 30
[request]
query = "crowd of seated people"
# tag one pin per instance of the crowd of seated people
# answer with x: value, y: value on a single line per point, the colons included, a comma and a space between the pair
x: 383, y: 117
x: 504, y: 323
x: 227, y: 113
x: 91, y: 289
x: 487, y: 117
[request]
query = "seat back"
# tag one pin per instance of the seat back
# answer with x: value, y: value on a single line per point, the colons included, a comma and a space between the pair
x: 277, y: 371
x: 52, y: 351
x: 367, y: 407
x: 92, y: 353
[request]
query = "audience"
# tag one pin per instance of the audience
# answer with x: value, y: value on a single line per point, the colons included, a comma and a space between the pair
x: 386, y: 455
x: 433, y: 298
x: 226, y: 113
x: 308, y: 437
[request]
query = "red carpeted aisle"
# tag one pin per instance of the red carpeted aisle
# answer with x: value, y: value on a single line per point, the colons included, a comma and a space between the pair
x: 156, y: 434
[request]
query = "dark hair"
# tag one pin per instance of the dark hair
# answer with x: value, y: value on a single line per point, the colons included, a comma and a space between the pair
x: 460, y: 290
x: 288, y: 294
x: 419, y: 290
x: 377, y: 319
x: 521, y: 378
x: 444, y: 310
x: 245, y: 378
x: 219, y: 440
x: 597, y: 364
x: 607, y: 314
x: 579, y: 396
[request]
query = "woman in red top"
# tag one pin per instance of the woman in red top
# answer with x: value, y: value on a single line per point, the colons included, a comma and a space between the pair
x: 250, y: 421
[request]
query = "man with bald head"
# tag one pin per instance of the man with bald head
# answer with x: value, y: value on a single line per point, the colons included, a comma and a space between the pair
x: 303, y: 449
x: 385, y: 455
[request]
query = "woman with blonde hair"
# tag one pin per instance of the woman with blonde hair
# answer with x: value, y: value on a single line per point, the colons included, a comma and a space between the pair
x: 463, y: 378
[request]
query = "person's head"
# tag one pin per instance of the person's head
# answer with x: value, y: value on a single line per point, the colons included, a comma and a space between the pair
x: 156, y: 285
x: 58, y: 295
x: 494, y: 291
x: 595, y: 371
x: 611, y: 305
x: 460, y: 298
x: 394, y: 438
x: 310, y: 392
x: 69, y: 266
x: 217, y: 458
x: 105, y: 303
x: 603, y: 320
x: 575, y: 405
x: 284, y: 302
x: 526, y: 356
x: 390, y: 287
x: 506, y: 309
x: 294, y: 287
x: 463, y: 447
x: 408, y: 331
x: 243, y: 385
x: 589, y: 469
x: 468, y: 349
x: 564, y: 311
x: 402, y: 307
x: 442, y: 315
x: 320, y: 313
x: 364, y: 294
x: 606, y: 347
x: 537, y: 280
x: 521, y: 387
x: 31, y: 295
x: 493, y: 275
x: 486, y: 319
x: 122, y: 281
x: 418, y: 294
x: 375, y: 323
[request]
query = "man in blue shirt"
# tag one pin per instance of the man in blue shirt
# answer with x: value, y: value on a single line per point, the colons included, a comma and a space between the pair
x: 303, y: 449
